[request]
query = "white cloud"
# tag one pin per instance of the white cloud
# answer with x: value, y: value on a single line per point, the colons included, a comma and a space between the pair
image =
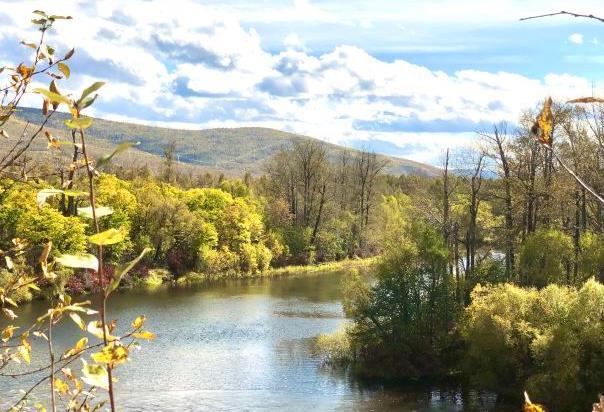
x: 202, y: 68
x: 293, y: 41
x: 576, y: 38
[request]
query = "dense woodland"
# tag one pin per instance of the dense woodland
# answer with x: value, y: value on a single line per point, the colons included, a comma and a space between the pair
x: 488, y: 274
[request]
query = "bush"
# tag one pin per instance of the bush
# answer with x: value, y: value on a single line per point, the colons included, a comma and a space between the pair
x: 550, y: 342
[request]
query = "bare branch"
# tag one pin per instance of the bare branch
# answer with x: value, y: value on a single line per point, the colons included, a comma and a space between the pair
x: 568, y: 13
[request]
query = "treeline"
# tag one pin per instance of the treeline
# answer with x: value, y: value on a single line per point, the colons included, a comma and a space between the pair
x: 305, y: 209
x: 506, y: 214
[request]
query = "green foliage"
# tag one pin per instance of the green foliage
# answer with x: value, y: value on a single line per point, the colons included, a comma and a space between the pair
x: 65, y: 232
x: 549, y: 341
x: 545, y: 258
x: 401, y: 322
x: 591, y: 261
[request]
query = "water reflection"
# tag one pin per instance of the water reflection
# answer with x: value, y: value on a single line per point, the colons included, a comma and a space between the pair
x: 246, y: 346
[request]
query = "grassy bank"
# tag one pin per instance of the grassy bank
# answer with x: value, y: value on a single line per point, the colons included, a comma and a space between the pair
x: 294, y: 270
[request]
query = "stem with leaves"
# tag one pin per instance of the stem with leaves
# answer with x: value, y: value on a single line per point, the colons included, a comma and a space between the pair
x: 103, y: 304
x: 52, y: 364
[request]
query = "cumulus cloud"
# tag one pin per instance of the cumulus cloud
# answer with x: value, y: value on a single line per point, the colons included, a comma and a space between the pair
x: 576, y: 38
x: 203, y: 68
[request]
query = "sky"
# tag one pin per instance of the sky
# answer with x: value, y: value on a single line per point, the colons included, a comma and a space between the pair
x: 405, y: 78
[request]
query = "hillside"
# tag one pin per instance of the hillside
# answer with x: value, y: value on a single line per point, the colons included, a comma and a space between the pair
x: 232, y: 151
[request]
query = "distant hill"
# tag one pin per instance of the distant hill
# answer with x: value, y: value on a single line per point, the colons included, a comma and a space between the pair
x: 232, y: 151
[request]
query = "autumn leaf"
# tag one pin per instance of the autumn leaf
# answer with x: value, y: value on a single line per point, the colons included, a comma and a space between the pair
x: 77, y: 348
x: 63, y: 68
x: 7, y: 332
x: 55, y: 98
x: 544, y: 124
x: 53, y: 142
x: 61, y: 386
x: 138, y: 322
x: 144, y: 335
x: 108, y: 237
x: 531, y: 407
x: 79, y: 123
x: 78, y: 320
x: 111, y: 355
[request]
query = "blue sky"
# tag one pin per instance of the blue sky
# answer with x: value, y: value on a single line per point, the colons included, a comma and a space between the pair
x: 407, y: 78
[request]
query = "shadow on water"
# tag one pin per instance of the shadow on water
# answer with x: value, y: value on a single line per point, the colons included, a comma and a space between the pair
x: 246, y: 345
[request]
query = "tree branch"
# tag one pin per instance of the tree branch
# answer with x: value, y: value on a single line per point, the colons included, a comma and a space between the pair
x: 568, y: 13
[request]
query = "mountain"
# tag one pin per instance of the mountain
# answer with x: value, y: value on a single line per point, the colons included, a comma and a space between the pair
x: 232, y: 151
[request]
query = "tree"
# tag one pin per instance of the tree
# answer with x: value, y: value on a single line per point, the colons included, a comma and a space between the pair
x: 545, y: 257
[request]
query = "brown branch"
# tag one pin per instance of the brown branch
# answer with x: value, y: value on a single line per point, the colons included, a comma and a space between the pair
x: 568, y: 13
x: 576, y: 177
x: 100, y: 258
x: 52, y: 365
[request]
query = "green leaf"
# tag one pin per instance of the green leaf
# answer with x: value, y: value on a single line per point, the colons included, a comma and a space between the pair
x: 78, y: 320
x: 83, y: 261
x: 57, y: 17
x: 30, y: 45
x: 44, y: 194
x: 108, y: 237
x: 122, y: 147
x: 88, y: 91
x: 63, y: 68
x: 87, y: 102
x: 99, y: 210
x: 121, y: 270
x: 79, y: 123
x: 95, y: 375
x: 53, y: 97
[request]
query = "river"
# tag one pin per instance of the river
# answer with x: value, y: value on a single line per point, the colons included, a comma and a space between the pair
x: 245, y: 346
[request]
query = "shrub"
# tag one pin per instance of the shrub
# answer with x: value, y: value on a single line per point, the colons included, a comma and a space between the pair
x: 549, y: 341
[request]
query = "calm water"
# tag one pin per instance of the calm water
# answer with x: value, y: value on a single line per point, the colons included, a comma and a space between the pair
x: 245, y: 346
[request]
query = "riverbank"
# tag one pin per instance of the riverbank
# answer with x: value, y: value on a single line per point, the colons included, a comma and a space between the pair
x: 294, y: 270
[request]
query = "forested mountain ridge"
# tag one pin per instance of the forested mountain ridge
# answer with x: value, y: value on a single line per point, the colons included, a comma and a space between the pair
x: 232, y: 151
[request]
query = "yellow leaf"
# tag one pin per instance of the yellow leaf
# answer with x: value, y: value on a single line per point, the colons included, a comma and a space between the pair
x: 63, y: 68
x: 25, y: 352
x: 53, y: 142
x: 7, y: 332
x: 108, y: 237
x: 39, y: 407
x: 138, y: 322
x: 79, y: 123
x: 78, y: 320
x: 78, y: 347
x: 531, y: 407
x: 111, y: 354
x: 61, y: 386
x: 144, y: 335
